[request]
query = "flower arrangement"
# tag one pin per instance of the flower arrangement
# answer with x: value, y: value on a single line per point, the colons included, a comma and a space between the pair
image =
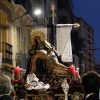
x: 22, y: 84
x: 19, y: 84
x: 54, y: 81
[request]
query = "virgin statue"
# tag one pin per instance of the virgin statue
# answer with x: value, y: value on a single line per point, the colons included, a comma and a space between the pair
x: 43, y: 51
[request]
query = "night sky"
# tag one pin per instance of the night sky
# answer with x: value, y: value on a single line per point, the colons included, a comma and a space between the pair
x: 89, y: 11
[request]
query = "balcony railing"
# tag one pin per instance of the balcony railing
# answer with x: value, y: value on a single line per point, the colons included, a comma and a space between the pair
x: 6, y: 60
x: 6, y: 50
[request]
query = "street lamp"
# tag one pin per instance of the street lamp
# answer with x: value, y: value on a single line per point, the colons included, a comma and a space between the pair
x: 36, y: 12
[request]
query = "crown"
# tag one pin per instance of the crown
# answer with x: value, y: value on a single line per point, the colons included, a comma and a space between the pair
x: 34, y: 33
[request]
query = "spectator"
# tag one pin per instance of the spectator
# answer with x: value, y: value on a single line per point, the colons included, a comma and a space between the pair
x: 5, y: 88
x: 91, y: 85
x: 50, y: 95
x: 22, y: 95
x: 13, y: 94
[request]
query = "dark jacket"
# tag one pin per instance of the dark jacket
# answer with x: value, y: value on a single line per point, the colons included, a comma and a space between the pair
x: 93, y: 97
x: 6, y: 97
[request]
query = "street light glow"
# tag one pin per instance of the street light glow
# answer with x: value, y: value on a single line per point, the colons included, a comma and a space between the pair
x: 37, y: 12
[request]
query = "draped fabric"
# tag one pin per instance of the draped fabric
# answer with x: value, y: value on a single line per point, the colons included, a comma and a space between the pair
x: 64, y: 47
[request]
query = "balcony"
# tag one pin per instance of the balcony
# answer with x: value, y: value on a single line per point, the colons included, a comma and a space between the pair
x: 6, y: 50
x: 6, y: 60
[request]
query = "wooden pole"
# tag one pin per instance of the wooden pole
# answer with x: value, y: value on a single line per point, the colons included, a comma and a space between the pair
x: 52, y: 26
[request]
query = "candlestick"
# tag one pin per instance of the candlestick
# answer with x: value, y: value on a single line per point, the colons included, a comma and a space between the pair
x: 65, y: 87
x: 17, y: 72
x: 72, y: 70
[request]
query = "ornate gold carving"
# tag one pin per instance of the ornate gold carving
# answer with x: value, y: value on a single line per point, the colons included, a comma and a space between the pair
x: 52, y: 7
x: 61, y: 98
x: 76, y: 25
x: 52, y: 15
x: 41, y: 96
x: 76, y: 96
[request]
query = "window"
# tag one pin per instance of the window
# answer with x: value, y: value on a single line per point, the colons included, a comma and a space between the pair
x: 89, y: 54
x: 88, y: 30
x: 89, y: 36
x: 25, y: 44
x: 89, y: 60
x: 84, y: 26
x: 89, y: 42
x: 18, y: 37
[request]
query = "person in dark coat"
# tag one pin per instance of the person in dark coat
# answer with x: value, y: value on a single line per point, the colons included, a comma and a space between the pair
x: 13, y: 94
x: 5, y: 88
x: 22, y: 95
x: 91, y: 85
x: 50, y: 95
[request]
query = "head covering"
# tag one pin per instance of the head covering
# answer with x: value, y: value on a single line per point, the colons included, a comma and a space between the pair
x: 34, y: 33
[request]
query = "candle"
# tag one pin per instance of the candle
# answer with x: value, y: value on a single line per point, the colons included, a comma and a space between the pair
x: 17, y: 72
x: 72, y: 70
x: 77, y: 74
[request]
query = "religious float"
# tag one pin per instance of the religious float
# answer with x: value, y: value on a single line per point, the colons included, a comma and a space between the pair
x: 46, y: 73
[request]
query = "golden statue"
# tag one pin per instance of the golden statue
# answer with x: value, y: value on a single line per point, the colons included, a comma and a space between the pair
x: 43, y: 50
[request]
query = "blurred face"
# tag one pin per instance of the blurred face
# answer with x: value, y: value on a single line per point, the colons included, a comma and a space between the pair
x: 38, y: 39
x: 48, y: 97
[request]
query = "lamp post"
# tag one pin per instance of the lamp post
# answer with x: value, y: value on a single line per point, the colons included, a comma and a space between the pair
x: 19, y: 17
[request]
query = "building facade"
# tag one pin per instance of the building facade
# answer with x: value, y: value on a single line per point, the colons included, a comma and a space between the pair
x: 83, y: 40
x: 5, y: 36
x: 14, y: 40
x: 14, y: 43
